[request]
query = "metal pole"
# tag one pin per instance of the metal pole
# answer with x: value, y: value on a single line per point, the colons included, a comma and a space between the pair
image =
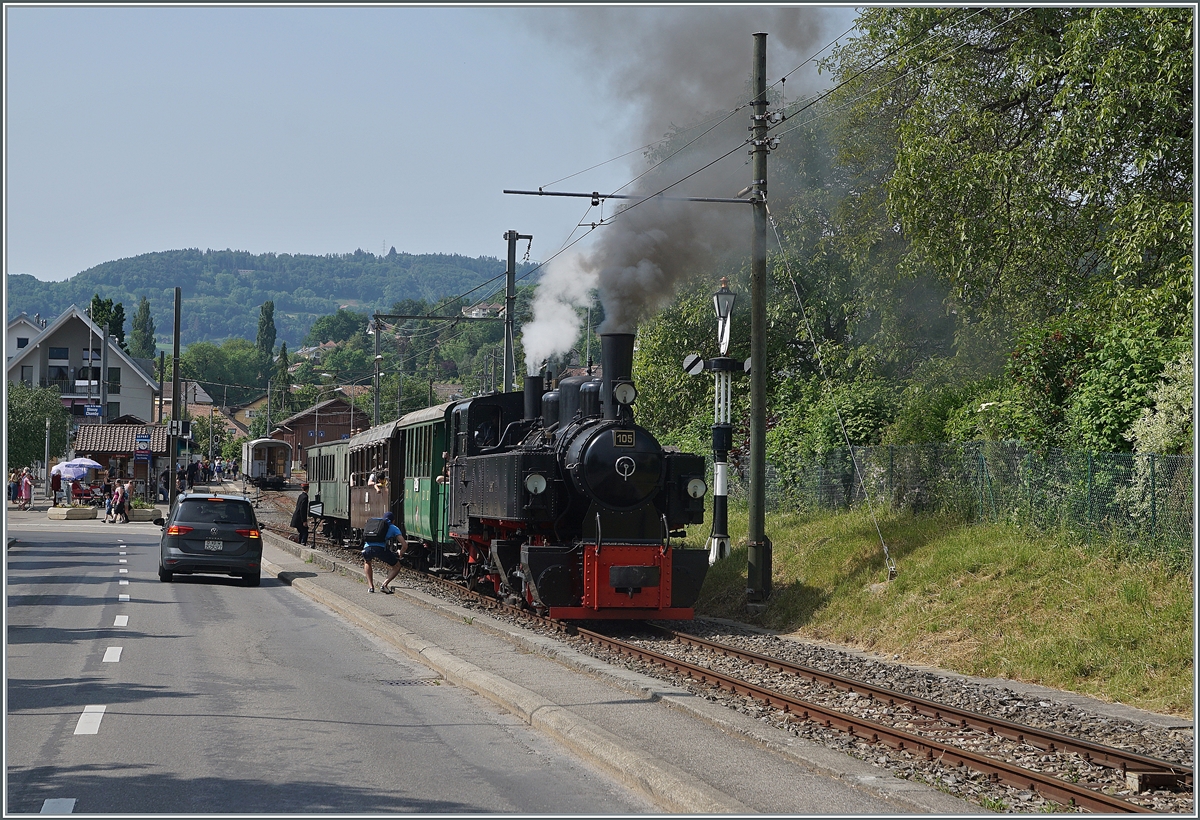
x: 758, y: 565
x: 376, y: 326
x: 162, y: 378
x: 47, y: 461
x: 172, y: 443
x: 104, y: 376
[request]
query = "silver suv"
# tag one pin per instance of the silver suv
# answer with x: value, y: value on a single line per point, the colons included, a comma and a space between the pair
x: 211, y: 533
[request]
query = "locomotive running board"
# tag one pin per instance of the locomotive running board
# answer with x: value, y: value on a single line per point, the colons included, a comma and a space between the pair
x: 612, y: 613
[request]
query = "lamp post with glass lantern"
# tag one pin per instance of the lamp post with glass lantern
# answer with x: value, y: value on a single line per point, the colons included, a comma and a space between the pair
x: 723, y: 368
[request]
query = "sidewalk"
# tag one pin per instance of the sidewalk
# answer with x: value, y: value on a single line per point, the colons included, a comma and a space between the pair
x: 685, y: 753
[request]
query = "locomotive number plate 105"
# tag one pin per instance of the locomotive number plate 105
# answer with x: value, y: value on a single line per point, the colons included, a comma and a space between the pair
x: 623, y: 438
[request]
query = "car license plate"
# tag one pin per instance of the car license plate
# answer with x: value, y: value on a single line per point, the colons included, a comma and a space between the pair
x: 215, y: 546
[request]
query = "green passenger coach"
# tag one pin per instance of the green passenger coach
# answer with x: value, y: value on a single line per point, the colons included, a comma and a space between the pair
x: 425, y: 497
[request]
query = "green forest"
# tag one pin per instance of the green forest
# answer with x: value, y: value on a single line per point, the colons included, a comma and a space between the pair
x: 222, y: 290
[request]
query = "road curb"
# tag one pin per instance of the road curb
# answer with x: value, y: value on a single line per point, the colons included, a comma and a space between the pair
x: 675, y: 791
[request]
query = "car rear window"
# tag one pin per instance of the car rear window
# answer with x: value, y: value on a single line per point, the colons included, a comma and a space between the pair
x: 204, y: 511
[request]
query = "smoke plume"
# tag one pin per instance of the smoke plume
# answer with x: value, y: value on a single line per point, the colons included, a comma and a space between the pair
x: 678, y: 67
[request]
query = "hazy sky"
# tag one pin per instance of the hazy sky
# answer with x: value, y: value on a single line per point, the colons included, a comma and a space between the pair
x: 327, y: 129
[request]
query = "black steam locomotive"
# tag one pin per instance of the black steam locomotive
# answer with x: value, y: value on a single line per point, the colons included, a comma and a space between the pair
x: 555, y: 499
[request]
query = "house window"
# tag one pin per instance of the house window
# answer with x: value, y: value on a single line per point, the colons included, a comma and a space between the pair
x: 21, y: 342
x: 61, y: 353
x: 27, y: 374
x: 114, y: 410
x: 114, y: 375
x: 95, y: 354
x: 77, y: 409
x: 251, y: 414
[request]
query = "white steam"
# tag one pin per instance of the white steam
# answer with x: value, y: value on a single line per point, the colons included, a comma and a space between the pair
x: 565, y: 288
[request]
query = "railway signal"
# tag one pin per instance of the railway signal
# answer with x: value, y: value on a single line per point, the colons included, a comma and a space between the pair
x: 722, y: 368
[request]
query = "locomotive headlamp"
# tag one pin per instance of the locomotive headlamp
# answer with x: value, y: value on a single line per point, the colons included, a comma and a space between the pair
x: 624, y: 393
x: 696, y: 488
x: 535, y: 483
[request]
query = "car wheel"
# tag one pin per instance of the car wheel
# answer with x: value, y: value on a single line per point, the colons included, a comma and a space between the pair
x: 252, y: 580
x: 164, y: 575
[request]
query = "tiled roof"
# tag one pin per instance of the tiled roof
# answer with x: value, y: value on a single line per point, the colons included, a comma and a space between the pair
x: 118, y: 438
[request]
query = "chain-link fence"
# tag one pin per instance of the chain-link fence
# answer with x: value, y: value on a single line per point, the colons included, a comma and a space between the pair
x: 1142, y: 501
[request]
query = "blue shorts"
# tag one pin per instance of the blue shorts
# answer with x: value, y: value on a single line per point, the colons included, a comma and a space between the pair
x: 382, y: 553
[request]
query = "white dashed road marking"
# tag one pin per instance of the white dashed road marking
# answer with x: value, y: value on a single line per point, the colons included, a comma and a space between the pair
x: 112, y: 654
x: 122, y: 569
x: 122, y: 620
x: 123, y: 583
x: 58, y: 805
x: 122, y: 560
x: 89, y: 721
x: 123, y: 598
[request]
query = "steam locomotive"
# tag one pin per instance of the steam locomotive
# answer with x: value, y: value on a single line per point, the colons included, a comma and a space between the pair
x: 553, y: 499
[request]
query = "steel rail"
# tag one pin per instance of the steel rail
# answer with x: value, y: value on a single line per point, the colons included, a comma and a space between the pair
x: 1044, y: 784
x: 1140, y: 771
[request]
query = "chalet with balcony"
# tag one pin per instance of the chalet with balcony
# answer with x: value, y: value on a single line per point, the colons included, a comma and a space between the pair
x: 68, y: 355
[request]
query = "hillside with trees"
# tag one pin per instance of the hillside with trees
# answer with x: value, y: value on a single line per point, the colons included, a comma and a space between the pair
x: 223, y: 290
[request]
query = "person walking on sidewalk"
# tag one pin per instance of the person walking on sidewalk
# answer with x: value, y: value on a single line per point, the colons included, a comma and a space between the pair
x: 56, y: 486
x: 300, y: 515
x: 376, y: 547
x: 25, y: 491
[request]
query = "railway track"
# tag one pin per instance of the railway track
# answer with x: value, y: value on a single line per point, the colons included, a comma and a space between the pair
x: 956, y: 727
x: 914, y: 726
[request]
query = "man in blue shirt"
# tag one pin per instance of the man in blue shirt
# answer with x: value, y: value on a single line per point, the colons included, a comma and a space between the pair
x: 378, y: 549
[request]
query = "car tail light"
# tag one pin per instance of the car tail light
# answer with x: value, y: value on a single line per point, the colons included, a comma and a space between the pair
x: 176, y: 529
x: 249, y: 533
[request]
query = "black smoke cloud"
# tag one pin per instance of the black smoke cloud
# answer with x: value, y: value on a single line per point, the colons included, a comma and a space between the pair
x: 677, y: 67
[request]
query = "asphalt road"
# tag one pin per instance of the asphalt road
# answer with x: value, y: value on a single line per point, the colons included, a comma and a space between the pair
x: 204, y: 696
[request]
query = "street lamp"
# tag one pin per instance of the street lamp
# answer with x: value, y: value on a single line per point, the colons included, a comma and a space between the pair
x: 722, y: 369
x: 723, y: 301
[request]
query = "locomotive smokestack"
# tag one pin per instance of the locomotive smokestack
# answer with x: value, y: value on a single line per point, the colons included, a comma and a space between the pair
x: 616, y: 357
x: 533, y: 396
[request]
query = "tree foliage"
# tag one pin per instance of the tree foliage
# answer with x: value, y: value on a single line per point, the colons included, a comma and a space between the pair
x: 27, y: 411
x: 141, y: 338
x: 984, y: 233
x: 337, y: 327
x: 103, y: 311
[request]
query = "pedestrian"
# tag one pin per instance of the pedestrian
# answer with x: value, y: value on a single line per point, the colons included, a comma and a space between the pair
x: 114, y: 504
x: 164, y: 486
x: 126, y: 501
x: 375, y: 546
x: 56, y: 486
x: 14, y: 484
x: 25, y: 491
x: 218, y: 468
x: 192, y: 470
x: 300, y: 515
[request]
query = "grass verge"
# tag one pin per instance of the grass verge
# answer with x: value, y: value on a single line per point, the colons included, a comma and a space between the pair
x: 989, y: 600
